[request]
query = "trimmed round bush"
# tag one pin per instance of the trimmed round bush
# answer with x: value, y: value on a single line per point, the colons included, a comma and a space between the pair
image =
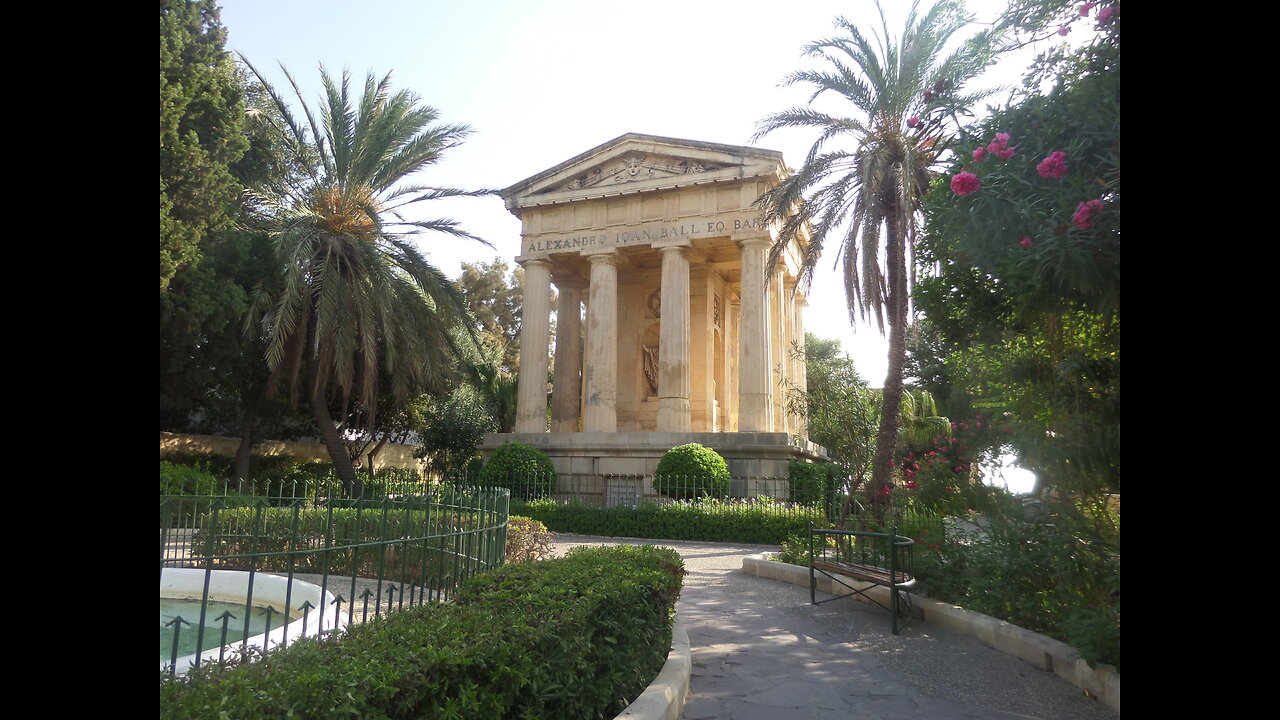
x: 524, y: 470
x: 691, y: 471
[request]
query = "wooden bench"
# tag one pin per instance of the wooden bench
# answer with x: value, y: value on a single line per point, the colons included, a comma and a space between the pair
x: 884, y: 559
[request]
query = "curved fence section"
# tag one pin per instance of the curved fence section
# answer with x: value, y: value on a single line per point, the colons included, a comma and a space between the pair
x: 367, y: 557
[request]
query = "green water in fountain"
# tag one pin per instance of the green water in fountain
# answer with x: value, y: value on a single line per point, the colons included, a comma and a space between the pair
x: 189, y: 610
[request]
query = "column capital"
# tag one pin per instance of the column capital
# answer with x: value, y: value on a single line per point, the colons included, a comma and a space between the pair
x: 525, y: 262
x: 753, y: 240
x: 568, y: 280
x: 602, y: 255
x: 671, y: 242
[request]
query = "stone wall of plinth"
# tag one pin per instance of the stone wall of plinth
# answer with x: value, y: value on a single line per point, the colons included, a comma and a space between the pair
x: 603, y: 468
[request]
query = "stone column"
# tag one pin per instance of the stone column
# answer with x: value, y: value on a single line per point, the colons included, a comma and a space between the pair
x: 778, y: 340
x: 600, y: 373
x: 801, y: 366
x: 731, y: 320
x: 674, y: 351
x: 567, y: 381
x: 754, y: 377
x: 535, y: 329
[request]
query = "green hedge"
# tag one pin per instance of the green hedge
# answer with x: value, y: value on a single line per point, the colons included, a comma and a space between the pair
x: 285, y: 477
x: 761, y: 520
x: 235, y: 535
x: 576, y: 637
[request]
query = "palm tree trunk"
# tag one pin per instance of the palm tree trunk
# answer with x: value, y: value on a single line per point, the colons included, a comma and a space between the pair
x: 333, y: 443
x: 890, y: 411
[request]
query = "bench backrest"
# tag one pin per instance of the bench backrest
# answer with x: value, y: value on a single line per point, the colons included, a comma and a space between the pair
x: 890, y: 550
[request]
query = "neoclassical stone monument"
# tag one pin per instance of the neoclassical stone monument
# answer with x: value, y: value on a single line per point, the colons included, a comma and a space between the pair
x: 685, y: 338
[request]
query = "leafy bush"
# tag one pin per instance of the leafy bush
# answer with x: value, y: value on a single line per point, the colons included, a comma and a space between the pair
x: 573, y: 637
x: 452, y: 431
x: 1055, y: 570
x: 812, y: 482
x: 527, y: 472
x: 759, y: 520
x: 795, y: 550
x: 187, y: 480
x: 474, y: 466
x: 527, y: 540
x: 691, y: 471
x: 223, y: 466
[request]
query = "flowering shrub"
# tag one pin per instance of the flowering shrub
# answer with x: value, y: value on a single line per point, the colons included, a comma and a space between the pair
x: 1000, y: 147
x: 1054, y: 166
x: 1083, y: 216
x: 943, y: 479
x: 965, y: 183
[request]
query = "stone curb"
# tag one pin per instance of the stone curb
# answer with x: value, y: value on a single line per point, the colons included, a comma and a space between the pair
x: 664, y: 698
x: 1102, y: 682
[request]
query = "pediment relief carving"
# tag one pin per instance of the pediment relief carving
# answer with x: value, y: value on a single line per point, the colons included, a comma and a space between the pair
x: 632, y: 167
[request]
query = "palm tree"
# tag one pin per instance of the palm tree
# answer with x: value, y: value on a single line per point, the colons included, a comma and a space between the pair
x: 360, y: 304
x: 867, y: 190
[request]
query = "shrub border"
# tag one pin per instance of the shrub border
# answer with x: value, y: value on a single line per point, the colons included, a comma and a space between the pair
x: 665, y: 696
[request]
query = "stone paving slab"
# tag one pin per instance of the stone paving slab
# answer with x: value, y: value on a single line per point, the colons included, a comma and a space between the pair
x: 761, y: 651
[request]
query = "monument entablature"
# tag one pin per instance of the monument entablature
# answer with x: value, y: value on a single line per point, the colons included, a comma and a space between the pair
x: 686, y: 329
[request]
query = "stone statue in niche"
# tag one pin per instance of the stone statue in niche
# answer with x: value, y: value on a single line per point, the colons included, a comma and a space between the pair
x: 654, y: 304
x: 651, y: 368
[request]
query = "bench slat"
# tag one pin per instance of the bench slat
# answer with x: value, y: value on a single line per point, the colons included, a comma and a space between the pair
x: 870, y: 573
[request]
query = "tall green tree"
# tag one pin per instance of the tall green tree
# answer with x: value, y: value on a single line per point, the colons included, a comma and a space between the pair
x: 201, y: 132
x: 360, y: 303
x: 861, y: 186
x: 212, y: 378
x: 494, y: 296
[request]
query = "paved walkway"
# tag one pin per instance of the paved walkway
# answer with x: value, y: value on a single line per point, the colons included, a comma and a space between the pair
x: 761, y: 651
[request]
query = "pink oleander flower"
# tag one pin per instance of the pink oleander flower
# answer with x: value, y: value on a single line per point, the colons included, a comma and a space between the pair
x: 979, y: 154
x: 914, y: 121
x: 928, y: 95
x: 1083, y: 216
x: 965, y: 183
x: 1054, y: 166
x: 1085, y: 8
x: 1063, y: 30
x: 1106, y: 15
x: 1026, y: 242
x: 1000, y: 146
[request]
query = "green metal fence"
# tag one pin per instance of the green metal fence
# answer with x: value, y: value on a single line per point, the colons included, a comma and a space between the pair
x: 373, y: 556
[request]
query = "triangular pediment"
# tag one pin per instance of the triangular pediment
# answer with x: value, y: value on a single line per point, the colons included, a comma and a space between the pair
x: 635, y: 162
x: 633, y: 166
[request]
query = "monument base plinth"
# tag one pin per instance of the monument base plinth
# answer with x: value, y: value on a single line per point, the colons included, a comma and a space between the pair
x: 602, y: 468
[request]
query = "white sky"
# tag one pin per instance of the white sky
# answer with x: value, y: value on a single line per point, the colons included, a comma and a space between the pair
x: 540, y: 82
